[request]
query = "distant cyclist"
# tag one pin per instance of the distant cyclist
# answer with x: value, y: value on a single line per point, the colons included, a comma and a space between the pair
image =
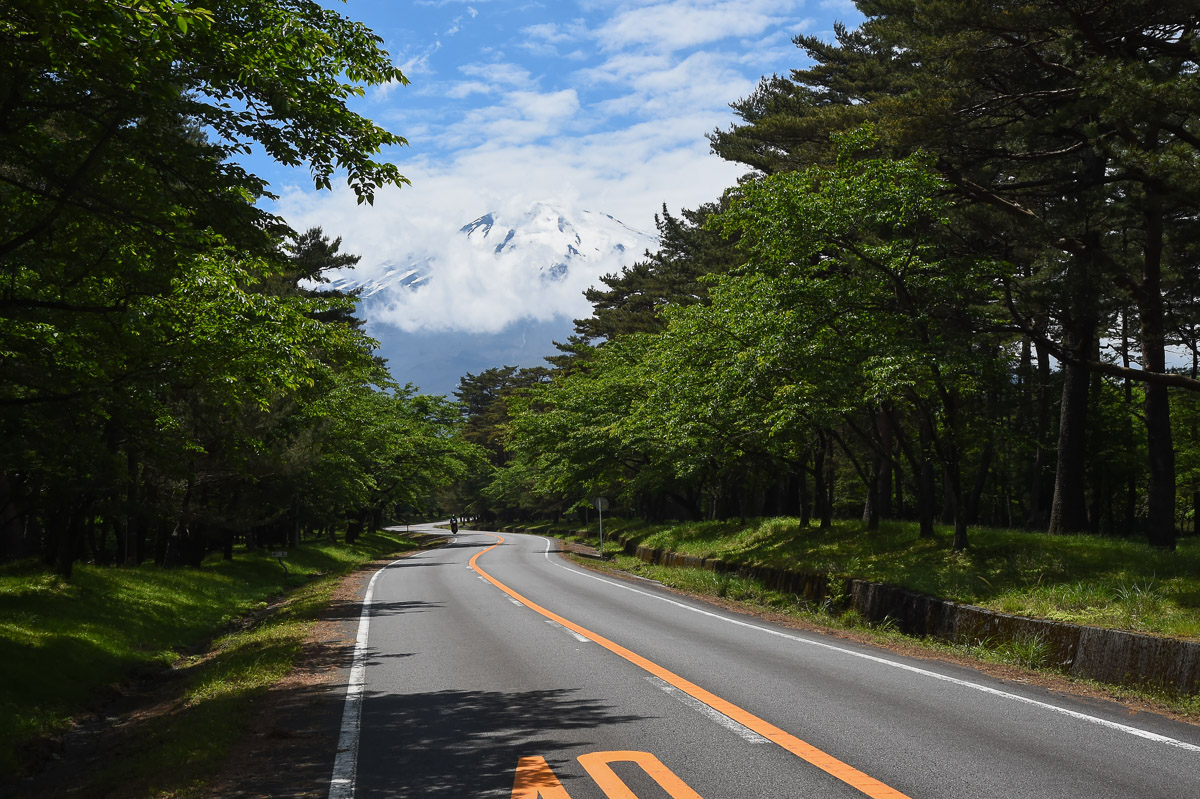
x: 454, y: 524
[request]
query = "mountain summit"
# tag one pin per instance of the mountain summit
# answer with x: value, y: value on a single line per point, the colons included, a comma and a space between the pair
x: 542, y: 240
x: 545, y: 238
x: 499, y: 290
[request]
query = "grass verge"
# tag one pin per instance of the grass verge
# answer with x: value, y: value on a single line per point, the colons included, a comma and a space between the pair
x: 65, y: 645
x: 1083, y: 579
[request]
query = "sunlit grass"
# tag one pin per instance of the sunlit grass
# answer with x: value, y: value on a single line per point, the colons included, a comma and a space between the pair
x: 1082, y: 579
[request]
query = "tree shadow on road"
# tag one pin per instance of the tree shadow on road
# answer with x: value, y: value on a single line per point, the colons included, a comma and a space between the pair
x: 467, y: 743
x: 352, y: 610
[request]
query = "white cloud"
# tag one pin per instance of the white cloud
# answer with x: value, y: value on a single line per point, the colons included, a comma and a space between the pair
x: 518, y: 116
x: 478, y: 292
x: 499, y: 74
x: 679, y: 24
x: 557, y: 33
x: 418, y: 63
x: 620, y: 133
x: 628, y: 174
x: 468, y: 87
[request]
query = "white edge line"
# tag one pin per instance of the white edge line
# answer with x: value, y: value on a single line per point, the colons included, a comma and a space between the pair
x: 1112, y: 725
x: 714, y: 715
x: 583, y: 639
x: 345, y: 764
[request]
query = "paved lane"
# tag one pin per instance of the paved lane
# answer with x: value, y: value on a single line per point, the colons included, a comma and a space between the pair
x: 467, y: 684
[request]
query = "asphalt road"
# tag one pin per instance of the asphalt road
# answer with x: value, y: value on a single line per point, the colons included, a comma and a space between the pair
x: 506, y: 671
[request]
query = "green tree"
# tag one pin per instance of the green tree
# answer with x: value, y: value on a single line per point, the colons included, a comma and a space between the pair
x: 1074, y: 124
x: 146, y: 341
x: 483, y: 402
x: 857, y: 256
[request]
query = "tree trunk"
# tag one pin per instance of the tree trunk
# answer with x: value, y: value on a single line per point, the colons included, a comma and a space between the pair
x: 960, y: 512
x: 1195, y: 512
x: 830, y: 481
x: 985, y: 467
x: 127, y: 532
x: 805, y: 494
x: 69, y: 544
x: 926, y: 488
x: 1068, y: 512
x: 949, y: 503
x: 1160, y: 494
x: 820, y: 493
x: 1130, y: 521
x: 1037, y: 518
x: 354, y: 530
x: 883, y: 480
x: 12, y: 522
x: 871, y: 506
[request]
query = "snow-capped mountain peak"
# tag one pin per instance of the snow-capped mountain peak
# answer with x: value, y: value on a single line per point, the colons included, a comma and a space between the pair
x: 545, y: 234
x: 542, y: 241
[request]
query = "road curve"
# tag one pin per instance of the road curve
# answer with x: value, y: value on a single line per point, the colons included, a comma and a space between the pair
x: 491, y: 669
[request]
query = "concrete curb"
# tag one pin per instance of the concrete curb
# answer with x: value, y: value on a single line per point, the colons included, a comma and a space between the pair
x: 1111, y: 656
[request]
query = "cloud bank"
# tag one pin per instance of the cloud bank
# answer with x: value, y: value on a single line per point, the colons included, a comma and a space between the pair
x: 599, y: 105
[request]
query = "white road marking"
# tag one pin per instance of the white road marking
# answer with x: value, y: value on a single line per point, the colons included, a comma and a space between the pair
x: 345, y: 764
x: 737, y: 728
x: 1112, y: 725
x: 583, y: 639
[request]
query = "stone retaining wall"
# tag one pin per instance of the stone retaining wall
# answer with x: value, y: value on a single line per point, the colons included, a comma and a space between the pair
x: 1111, y: 656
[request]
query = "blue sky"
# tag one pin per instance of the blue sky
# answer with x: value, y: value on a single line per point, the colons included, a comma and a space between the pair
x: 596, y: 104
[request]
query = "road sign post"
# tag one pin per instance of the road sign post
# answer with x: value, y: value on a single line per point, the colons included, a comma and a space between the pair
x: 601, y: 506
x: 279, y: 555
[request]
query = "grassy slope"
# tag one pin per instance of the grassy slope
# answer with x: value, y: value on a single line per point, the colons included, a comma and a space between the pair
x: 1083, y: 579
x: 62, y: 644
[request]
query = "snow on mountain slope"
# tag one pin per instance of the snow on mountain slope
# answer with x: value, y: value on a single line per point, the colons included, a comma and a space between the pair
x: 547, y: 240
x: 543, y: 258
x: 498, y: 290
x: 408, y: 277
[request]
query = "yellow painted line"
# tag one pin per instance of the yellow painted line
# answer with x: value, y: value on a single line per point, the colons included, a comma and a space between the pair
x: 597, y: 766
x: 535, y: 780
x: 801, y: 749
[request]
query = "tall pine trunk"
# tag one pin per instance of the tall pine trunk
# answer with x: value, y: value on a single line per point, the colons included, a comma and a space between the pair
x: 1160, y: 495
x: 830, y: 481
x: 926, y: 488
x: 883, y: 480
x: 1037, y: 517
x: 1068, y: 511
